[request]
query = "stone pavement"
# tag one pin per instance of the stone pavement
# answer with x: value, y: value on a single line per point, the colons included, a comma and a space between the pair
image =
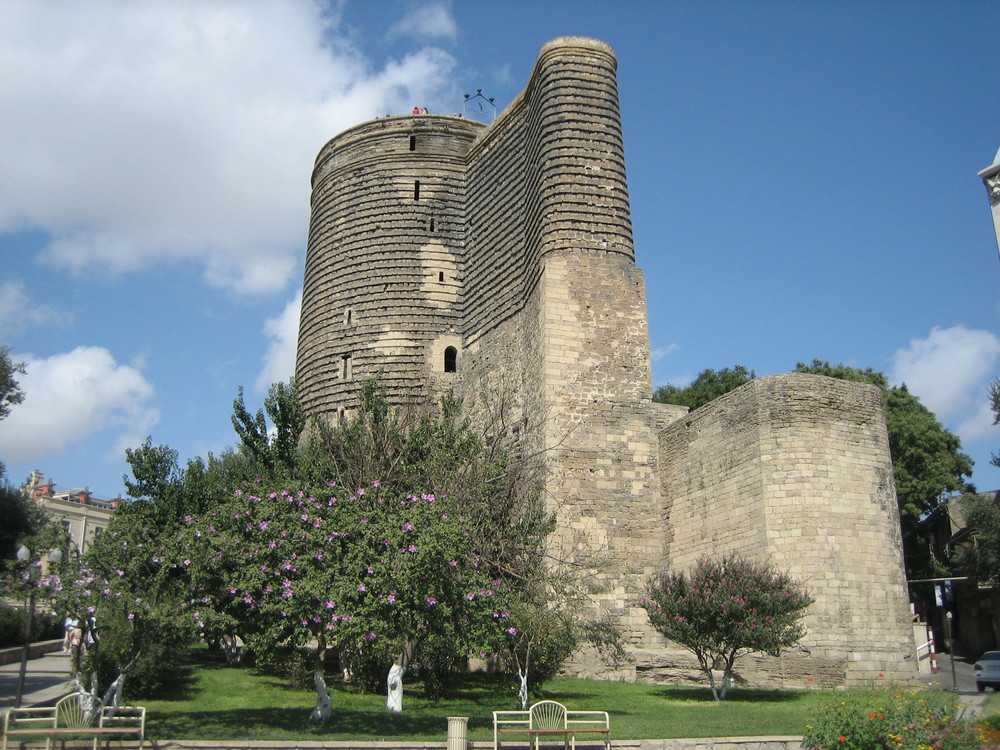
x: 45, y: 682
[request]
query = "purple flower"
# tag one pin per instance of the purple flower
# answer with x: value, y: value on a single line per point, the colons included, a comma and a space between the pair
x: 431, y: 601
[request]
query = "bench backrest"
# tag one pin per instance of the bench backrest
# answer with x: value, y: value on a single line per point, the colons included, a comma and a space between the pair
x: 548, y: 715
x: 71, y: 714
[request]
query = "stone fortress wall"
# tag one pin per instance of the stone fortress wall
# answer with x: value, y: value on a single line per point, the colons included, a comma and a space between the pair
x: 445, y: 254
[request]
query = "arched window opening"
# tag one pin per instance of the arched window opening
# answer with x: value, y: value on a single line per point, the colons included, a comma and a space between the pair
x: 451, y: 359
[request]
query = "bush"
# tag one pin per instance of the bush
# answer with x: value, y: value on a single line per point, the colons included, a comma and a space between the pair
x: 892, y: 718
x: 44, y: 627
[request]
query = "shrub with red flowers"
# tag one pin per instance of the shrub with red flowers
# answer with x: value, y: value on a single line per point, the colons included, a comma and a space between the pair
x: 727, y: 608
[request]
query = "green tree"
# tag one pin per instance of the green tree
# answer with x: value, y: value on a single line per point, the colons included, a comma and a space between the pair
x: 367, y: 570
x: 979, y: 557
x: 995, y: 407
x: 708, y: 386
x: 272, y: 451
x: 927, y: 460
x: 10, y: 389
x: 23, y: 518
x: 133, y: 595
x: 725, y: 609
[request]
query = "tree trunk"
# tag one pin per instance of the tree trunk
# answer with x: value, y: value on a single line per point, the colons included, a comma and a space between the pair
x: 522, y: 692
x: 394, y: 682
x: 113, y: 695
x: 324, y: 705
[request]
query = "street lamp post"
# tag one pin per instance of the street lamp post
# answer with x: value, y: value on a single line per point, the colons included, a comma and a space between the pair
x: 24, y: 555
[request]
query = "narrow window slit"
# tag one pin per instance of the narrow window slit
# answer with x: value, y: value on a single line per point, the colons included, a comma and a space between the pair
x: 416, y: 190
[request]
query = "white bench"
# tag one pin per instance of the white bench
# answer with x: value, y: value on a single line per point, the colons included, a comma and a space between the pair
x: 552, y: 719
x: 68, y: 720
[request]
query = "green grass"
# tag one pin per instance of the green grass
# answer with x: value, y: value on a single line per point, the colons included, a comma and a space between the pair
x: 214, y: 702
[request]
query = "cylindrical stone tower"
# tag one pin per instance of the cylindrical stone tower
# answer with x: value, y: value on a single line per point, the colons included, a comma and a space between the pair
x: 382, y: 279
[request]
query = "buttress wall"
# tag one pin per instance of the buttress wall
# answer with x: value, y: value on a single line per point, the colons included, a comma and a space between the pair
x: 795, y: 470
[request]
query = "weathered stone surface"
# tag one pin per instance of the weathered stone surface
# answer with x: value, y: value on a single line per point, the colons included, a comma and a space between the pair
x: 510, y: 246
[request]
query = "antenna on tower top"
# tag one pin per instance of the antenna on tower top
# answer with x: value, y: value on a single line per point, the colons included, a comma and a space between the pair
x: 479, y: 106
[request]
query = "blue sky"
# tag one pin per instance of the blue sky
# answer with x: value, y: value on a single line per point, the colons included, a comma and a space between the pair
x: 802, y: 179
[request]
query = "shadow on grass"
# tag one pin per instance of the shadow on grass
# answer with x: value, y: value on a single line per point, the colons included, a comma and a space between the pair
x: 294, y: 722
x: 183, y: 684
x: 733, y: 695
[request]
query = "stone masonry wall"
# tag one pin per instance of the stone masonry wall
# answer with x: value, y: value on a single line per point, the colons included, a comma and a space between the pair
x: 512, y: 245
x: 382, y: 285
x: 795, y: 470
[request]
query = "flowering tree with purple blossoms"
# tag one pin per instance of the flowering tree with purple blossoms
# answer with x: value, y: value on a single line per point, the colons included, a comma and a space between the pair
x: 353, y: 571
x: 727, y: 608
x: 133, y: 590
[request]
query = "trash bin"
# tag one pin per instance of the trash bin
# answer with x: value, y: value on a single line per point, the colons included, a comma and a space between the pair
x: 458, y: 732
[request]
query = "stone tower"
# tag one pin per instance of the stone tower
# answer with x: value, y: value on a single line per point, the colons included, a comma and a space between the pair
x: 448, y: 255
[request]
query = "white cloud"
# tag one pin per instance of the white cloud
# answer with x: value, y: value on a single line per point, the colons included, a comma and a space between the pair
x: 431, y: 21
x: 283, y: 335
x: 980, y: 425
x: 145, y: 133
x: 18, y: 312
x: 662, y: 351
x: 949, y: 370
x: 70, y: 397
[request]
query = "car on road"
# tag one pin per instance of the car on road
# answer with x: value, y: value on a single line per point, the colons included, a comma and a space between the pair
x: 987, y: 671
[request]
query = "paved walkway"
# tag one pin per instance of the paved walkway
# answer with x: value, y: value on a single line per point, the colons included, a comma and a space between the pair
x: 45, y: 682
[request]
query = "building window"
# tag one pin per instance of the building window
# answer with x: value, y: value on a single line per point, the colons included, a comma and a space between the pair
x: 416, y: 190
x: 347, y: 316
x: 451, y: 359
x: 346, y: 371
x: 413, y: 143
x: 440, y: 275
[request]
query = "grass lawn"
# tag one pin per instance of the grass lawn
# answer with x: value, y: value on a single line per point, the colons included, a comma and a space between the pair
x: 215, y: 702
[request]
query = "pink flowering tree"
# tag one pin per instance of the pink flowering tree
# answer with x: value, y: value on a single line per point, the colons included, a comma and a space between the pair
x: 359, y: 571
x: 727, y: 608
x: 131, y: 593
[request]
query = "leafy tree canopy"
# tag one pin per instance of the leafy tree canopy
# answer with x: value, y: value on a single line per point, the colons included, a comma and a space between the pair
x: 980, y: 557
x: 726, y: 608
x: 272, y: 452
x: 708, y: 386
x: 10, y: 390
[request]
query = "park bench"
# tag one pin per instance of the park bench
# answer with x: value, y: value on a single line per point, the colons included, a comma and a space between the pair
x: 552, y: 719
x: 68, y: 720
